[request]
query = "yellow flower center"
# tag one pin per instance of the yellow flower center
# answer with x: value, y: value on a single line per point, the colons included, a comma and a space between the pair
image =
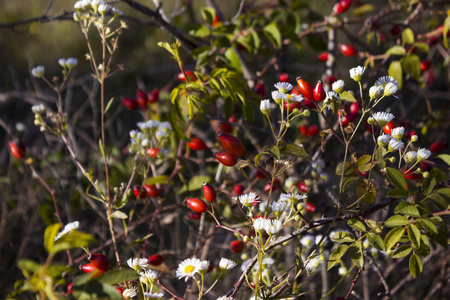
x: 189, y: 269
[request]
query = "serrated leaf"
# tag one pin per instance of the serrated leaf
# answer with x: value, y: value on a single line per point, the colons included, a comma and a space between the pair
x: 356, y: 254
x: 273, y: 34
x: 429, y: 226
x: 414, y: 235
x: 396, y: 50
x: 336, y: 255
x: 109, y: 104
x: 397, y: 193
x: 402, y: 251
x: 415, y: 265
x: 395, y: 221
x: 349, y: 168
x: 138, y: 241
x: 445, y: 158
x: 363, y: 163
x: 396, y: 178
x: 119, y: 215
x: 408, y: 36
x: 393, y: 237
x: 49, y: 236
x: 296, y: 150
x: 347, y: 96
x: 396, y: 71
x: 407, y: 209
x: 343, y: 237
x: 411, y: 65
x: 357, y: 225
x: 375, y: 240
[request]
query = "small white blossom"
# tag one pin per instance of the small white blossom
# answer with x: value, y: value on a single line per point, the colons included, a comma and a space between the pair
x: 292, y: 197
x: 313, y: 263
x: 383, y: 81
x: 395, y: 145
x: 259, y: 224
x: 149, y: 276
x: 423, y: 154
x: 307, y: 240
x: 104, y: 8
x: 248, y: 199
x: 133, y: 134
x: 226, y: 264
x: 383, y: 118
x: 278, y: 206
x: 390, y: 89
x: 71, y: 63
x: 161, y: 134
x: 68, y: 228
x: 273, y: 226
x: 356, y: 73
x: 38, y: 109
x: 165, y: 126
x: 414, y: 138
x: 283, y: 87
x: 117, y: 12
x: 398, y: 132
x: 292, y: 98
x: 338, y: 86
x: 153, y: 295
x: 265, y: 106
x: 137, y: 263
x: 203, y: 267
x: 383, y: 140
x: 130, y: 293
x: 78, y: 5
x: 375, y: 91
x: 276, y: 95
x: 331, y: 96
x: 410, y: 157
x: 38, y: 71
x: 62, y: 62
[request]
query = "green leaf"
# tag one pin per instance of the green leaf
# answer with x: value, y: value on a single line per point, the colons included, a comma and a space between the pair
x: 174, y: 94
x: 363, y: 163
x: 100, y: 146
x: 443, y: 191
x: 396, y: 50
x: 393, y: 237
x: 357, y: 225
x: 397, y: 193
x: 396, y: 71
x: 96, y: 290
x: 208, y: 14
x: 422, y: 47
x: 199, y: 30
x: 349, y: 168
x: 424, y: 248
x: 395, y: 221
x: 402, y: 251
x: 415, y: 265
x: 118, y: 276
x: 28, y: 265
x: 73, y: 239
x: 414, y: 235
x: 445, y: 158
x: 49, y: 236
x: 119, y: 215
x: 343, y: 237
x: 445, y: 30
x: 438, y: 175
x: 347, y: 96
x: 275, y: 151
x: 195, y: 183
x: 366, y: 190
x: 411, y: 65
x: 375, y: 240
x: 396, y: 178
x: 161, y: 179
x: 408, y: 36
x: 296, y: 150
x: 428, y: 185
x: 439, y: 201
x: 109, y: 104
x: 273, y: 34
x: 429, y: 226
x: 406, y: 208
x: 356, y: 254
x: 235, y: 62
x: 336, y: 255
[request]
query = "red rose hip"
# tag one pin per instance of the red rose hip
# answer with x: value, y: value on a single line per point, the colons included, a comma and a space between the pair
x: 231, y: 144
x: 197, y: 205
x: 209, y: 192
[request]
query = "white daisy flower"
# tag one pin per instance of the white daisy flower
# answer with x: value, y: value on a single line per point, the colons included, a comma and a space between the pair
x: 149, y: 276
x: 394, y: 145
x: 398, y: 132
x: 130, y: 293
x: 152, y: 124
x: 71, y: 62
x: 375, y: 91
x: 104, y: 8
x: 137, y: 263
x: 272, y: 227
x: 248, y: 199
x: 38, y: 109
x: 277, y: 96
x: 383, y: 118
x: 410, y: 157
x: 38, y: 71
x: 259, y: 224
x: 62, y: 62
x: 226, y: 264
x: 165, y: 126
x: 283, y: 87
x: 153, y: 295
x: 203, y: 266
x: 338, y: 86
x: 68, y: 228
x: 78, y: 5
x: 422, y: 154
x: 188, y: 268
x: 292, y: 98
x: 390, y: 89
x: 278, y: 206
x: 383, y: 140
x: 356, y: 73
x: 265, y: 106
x: 331, y: 96
x: 383, y: 81
x: 307, y: 240
x: 292, y: 197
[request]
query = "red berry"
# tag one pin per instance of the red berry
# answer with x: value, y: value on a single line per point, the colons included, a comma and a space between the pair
x: 197, y: 144
x: 291, y: 106
x: 194, y: 216
x: 410, y: 134
x: 141, y: 98
x: 361, y: 173
x: 395, y: 30
x: 232, y: 119
x: 268, y: 187
x: 99, y: 261
x: 129, y: 103
x: 152, y: 152
x: 90, y: 268
x: 209, y: 192
x: 284, y: 77
x: 348, y: 50
x: 425, y: 65
x: 319, y: 92
x: 231, y: 144
x: 424, y: 166
x: 70, y: 288
x: 260, y: 90
x: 197, y: 205
x: 226, y: 127
x: 260, y: 174
x: 156, y: 259
x: 138, y: 192
x: 153, y: 96
x: 152, y: 190
x: 189, y: 74
x: 217, y: 21
x: 438, y: 146
x: 226, y: 158
x: 342, y: 6
x: 305, y: 88
x: 239, y: 189
x: 302, y: 187
x: 323, y: 56
x: 17, y: 150
x: 308, y: 103
x: 310, y: 207
x: 119, y: 290
x: 313, y: 130
x: 354, y: 108
x: 388, y: 127
x: 331, y: 79
x: 304, y: 130
x: 295, y: 91
x: 411, y: 176
x: 237, y: 246
x: 345, y: 120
